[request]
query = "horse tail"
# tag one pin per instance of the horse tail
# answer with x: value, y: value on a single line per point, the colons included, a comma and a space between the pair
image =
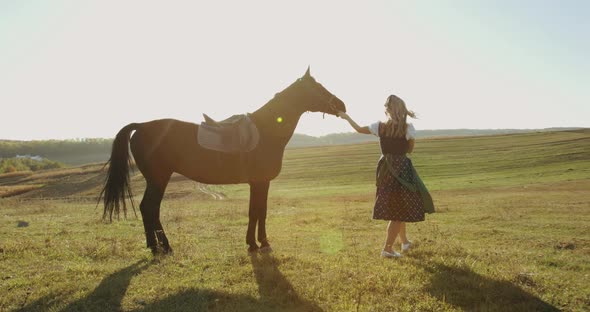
x: 117, y: 179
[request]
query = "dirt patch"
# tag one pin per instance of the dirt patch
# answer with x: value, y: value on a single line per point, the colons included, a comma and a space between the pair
x: 207, y: 190
x: 77, y: 185
x: 565, y: 246
x: 15, y: 190
x: 86, y: 183
x: 14, y: 177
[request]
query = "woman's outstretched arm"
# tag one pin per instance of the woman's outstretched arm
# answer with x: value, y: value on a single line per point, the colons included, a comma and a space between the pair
x: 359, y: 129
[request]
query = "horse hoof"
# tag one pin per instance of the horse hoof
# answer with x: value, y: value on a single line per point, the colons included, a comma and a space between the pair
x: 265, y: 249
x: 253, y: 249
x: 161, y: 251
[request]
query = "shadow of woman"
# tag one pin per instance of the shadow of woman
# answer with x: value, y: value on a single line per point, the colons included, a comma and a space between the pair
x: 470, y: 291
x: 107, y: 296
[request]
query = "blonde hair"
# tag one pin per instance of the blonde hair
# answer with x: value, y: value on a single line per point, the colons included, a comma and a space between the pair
x: 396, y: 125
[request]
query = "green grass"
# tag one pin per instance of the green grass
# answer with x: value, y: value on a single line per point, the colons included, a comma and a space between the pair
x: 444, y: 164
x: 510, y: 234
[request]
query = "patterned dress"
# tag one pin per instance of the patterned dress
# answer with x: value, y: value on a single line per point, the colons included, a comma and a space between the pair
x: 395, y: 200
x: 398, y: 197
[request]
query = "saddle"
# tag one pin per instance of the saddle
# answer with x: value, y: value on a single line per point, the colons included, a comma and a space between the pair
x: 236, y: 134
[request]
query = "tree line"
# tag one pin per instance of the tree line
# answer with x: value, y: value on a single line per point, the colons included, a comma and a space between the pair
x: 84, y: 151
x: 74, y: 152
x: 8, y: 165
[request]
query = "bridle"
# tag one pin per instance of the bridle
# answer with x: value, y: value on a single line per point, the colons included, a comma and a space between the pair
x: 329, y: 103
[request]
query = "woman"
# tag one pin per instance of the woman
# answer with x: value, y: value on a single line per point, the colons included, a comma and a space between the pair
x: 401, y: 196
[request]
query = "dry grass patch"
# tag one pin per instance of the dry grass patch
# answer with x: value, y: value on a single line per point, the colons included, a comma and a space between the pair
x: 14, y: 190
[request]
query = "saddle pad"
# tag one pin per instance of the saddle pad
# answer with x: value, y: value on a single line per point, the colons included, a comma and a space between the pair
x: 237, y: 137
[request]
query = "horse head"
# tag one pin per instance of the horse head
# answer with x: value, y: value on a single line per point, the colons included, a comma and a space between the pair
x: 317, y: 98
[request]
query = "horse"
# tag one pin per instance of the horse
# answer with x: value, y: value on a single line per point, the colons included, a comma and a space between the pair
x: 166, y: 146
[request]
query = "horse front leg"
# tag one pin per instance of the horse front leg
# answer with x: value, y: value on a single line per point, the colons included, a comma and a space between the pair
x: 262, y: 208
x: 252, y: 219
x: 250, y: 239
x: 257, y: 215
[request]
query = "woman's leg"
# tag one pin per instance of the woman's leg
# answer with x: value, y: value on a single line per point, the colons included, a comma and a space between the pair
x: 393, y: 229
x: 402, y: 233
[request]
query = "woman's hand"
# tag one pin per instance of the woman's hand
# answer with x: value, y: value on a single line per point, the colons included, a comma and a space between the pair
x: 359, y: 129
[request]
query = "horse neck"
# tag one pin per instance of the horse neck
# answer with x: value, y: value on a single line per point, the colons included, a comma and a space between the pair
x: 267, y: 118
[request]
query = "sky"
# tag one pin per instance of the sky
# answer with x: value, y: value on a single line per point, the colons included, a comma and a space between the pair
x: 84, y: 69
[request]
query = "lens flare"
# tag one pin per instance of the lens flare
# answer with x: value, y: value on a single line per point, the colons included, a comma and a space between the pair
x: 280, y: 119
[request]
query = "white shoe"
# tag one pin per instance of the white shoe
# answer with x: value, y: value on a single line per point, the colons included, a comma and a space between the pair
x: 392, y: 254
x: 406, y: 247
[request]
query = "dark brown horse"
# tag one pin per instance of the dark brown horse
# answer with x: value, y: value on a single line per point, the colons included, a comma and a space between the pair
x: 162, y: 147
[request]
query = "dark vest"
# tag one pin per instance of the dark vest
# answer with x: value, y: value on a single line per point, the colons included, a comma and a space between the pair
x: 395, y: 146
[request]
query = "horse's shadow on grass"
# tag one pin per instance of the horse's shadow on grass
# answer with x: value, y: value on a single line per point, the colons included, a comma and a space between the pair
x: 275, y: 294
x: 275, y: 291
x: 107, y: 296
x: 470, y: 291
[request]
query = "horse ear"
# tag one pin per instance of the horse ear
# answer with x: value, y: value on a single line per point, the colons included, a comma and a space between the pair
x: 307, y: 74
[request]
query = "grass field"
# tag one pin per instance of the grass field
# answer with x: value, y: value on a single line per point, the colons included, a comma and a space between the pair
x: 511, y: 233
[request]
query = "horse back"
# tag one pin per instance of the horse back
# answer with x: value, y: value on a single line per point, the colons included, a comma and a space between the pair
x: 169, y: 144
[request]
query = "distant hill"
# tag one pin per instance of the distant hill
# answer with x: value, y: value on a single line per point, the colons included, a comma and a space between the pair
x: 85, y: 151
x: 449, y: 163
x: 302, y: 140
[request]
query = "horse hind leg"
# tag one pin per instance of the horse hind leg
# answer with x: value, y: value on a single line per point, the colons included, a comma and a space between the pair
x: 150, y: 213
x: 148, y: 208
x: 161, y: 236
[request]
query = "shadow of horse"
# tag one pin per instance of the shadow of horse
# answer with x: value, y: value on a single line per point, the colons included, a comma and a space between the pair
x: 275, y: 291
x: 470, y: 291
x: 107, y: 296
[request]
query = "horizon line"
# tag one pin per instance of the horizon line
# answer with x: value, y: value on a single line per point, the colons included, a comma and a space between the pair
x: 330, y: 134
